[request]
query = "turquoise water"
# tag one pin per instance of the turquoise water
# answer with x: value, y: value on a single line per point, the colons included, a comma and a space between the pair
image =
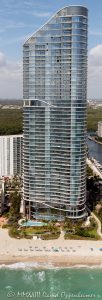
x: 31, y: 223
x: 51, y: 284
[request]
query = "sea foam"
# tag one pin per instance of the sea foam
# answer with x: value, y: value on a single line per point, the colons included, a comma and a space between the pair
x: 34, y: 265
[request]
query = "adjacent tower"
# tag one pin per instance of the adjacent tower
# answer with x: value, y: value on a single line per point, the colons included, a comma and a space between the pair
x: 11, y: 155
x: 55, y: 93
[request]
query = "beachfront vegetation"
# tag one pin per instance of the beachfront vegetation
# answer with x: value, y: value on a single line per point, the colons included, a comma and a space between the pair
x: 49, y: 231
x: 12, y: 204
x: 72, y: 230
x: 13, y: 231
x: 50, y: 236
x: 98, y: 213
x: 93, y: 192
x: 80, y: 231
x: 15, y: 202
x: 13, y: 188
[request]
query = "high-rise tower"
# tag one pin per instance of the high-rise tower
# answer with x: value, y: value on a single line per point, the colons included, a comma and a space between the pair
x: 55, y: 92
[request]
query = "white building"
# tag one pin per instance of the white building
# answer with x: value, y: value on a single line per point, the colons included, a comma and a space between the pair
x: 1, y: 194
x: 100, y: 129
x: 11, y: 155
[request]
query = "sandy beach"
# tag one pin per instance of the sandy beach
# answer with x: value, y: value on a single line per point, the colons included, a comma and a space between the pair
x: 55, y: 253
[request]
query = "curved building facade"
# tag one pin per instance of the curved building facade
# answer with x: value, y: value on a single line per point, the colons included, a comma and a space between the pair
x: 55, y: 93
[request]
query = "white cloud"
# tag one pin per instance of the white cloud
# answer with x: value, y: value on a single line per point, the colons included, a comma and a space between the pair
x: 10, y: 78
x: 10, y: 25
x: 95, y: 33
x: 28, y: 3
x: 2, y: 60
x: 95, y: 72
x: 96, y: 52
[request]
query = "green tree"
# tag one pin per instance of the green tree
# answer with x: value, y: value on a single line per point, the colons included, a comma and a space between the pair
x: 89, y: 171
x: 15, y: 201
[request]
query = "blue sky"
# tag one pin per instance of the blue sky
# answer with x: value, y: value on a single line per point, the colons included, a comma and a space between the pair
x: 20, y: 18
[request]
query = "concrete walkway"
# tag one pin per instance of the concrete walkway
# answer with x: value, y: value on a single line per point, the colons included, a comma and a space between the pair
x: 98, y: 224
x: 61, y: 237
x: 94, y: 168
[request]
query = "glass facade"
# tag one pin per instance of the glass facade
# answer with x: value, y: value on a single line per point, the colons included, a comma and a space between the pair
x: 55, y: 86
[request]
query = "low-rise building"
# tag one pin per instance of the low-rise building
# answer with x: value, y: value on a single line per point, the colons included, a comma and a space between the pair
x: 100, y: 129
x: 1, y: 195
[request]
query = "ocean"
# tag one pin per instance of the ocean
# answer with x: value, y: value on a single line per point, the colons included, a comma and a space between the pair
x: 34, y: 283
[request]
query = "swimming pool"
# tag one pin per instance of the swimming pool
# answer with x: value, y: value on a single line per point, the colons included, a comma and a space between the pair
x: 32, y: 223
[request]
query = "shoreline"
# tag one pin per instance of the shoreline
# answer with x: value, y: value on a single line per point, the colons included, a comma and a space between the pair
x: 94, y: 140
x: 52, y: 263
